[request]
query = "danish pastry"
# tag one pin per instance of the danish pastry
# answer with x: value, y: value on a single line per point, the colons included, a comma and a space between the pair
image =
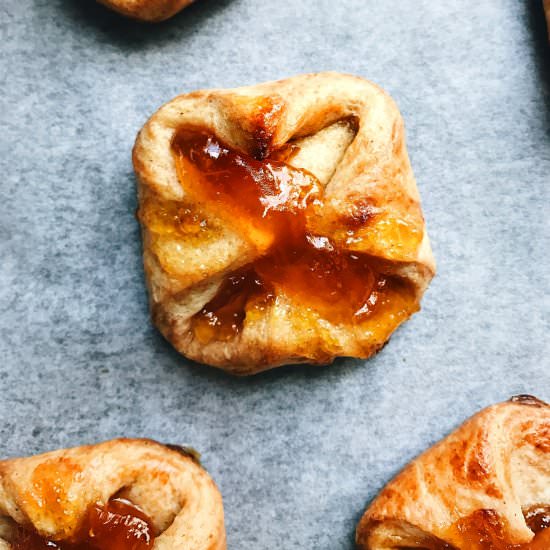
x: 147, y: 10
x: 484, y: 487
x: 120, y: 495
x: 281, y: 222
x: 547, y: 13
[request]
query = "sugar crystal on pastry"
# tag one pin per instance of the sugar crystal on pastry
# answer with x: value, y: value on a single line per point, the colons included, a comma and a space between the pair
x: 281, y: 222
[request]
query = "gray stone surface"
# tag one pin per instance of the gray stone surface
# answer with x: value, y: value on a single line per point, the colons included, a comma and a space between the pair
x: 299, y: 451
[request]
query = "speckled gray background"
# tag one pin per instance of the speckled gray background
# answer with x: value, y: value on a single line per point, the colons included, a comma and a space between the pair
x: 299, y: 451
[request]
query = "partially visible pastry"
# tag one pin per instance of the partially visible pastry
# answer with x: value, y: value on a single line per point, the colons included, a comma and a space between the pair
x: 281, y: 222
x: 547, y: 13
x: 124, y: 494
x: 484, y: 487
x: 147, y: 10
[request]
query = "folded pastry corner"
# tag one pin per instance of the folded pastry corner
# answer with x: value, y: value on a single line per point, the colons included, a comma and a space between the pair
x: 281, y: 222
x: 484, y: 487
x: 126, y: 494
x: 152, y: 11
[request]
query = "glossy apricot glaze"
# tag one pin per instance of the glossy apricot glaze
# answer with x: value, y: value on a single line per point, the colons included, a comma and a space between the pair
x: 276, y: 206
x: 118, y: 525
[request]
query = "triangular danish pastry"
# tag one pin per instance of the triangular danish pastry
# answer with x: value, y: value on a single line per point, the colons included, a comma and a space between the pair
x: 484, y: 487
x: 120, y: 495
x: 281, y: 222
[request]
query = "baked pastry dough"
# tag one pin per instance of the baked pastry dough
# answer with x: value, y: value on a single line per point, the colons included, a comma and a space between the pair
x: 147, y: 10
x: 484, y: 487
x: 547, y: 13
x: 281, y: 222
x: 158, y: 495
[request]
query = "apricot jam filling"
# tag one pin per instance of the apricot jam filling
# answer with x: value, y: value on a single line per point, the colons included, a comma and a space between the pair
x: 275, y: 206
x: 118, y: 525
x: 483, y: 530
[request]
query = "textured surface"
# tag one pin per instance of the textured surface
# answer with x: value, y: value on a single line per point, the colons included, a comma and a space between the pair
x: 297, y: 452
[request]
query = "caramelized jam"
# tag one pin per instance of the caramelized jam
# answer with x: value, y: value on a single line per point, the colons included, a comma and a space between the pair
x: 483, y: 530
x: 116, y: 526
x: 274, y: 205
x: 538, y: 518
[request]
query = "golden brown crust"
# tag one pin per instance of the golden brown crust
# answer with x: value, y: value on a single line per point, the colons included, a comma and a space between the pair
x: 497, y: 461
x: 370, y: 166
x: 147, y: 10
x: 53, y: 492
x: 547, y: 13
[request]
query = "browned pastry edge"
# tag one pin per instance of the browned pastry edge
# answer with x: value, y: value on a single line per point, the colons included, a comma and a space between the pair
x: 497, y: 461
x: 151, y: 11
x: 53, y: 492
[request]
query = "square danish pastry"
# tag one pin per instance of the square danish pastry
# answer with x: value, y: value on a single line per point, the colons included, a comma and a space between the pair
x: 281, y: 222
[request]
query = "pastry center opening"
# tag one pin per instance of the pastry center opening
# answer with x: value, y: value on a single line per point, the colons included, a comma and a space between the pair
x: 117, y: 525
x: 277, y: 206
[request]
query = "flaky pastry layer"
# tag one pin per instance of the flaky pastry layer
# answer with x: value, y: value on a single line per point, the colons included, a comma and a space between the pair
x: 497, y: 464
